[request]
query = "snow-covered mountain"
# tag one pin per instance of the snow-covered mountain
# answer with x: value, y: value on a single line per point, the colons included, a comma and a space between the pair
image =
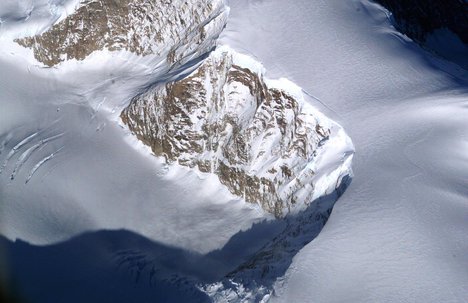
x: 175, y: 29
x: 230, y: 135
x: 129, y: 148
x: 112, y: 47
x: 263, y: 141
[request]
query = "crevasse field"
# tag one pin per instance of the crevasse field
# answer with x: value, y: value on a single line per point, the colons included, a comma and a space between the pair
x: 79, y: 194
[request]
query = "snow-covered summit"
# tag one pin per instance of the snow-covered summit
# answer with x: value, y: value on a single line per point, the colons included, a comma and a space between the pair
x: 258, y: 136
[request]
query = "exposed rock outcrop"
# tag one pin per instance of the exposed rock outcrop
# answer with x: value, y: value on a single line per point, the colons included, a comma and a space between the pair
x: 259, y: 137
x: 158, y: 27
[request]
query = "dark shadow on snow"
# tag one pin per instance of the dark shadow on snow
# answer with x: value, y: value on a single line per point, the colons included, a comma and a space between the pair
x: 122, y: 266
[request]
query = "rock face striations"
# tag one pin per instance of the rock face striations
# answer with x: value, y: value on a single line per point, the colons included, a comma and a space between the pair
x: 157, y: 27
x: 257, y: 136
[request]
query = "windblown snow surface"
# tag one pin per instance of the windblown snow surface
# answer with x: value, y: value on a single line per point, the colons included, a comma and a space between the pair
x: 398, y: 234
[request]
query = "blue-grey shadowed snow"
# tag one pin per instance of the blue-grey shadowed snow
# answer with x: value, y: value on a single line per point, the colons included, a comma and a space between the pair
x: 439, y: 26
x: 177, y: 73
x: 122, y: 266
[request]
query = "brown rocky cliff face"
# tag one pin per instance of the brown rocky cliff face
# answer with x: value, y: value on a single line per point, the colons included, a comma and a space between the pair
x: 224, y: 119
x: 138, y: 26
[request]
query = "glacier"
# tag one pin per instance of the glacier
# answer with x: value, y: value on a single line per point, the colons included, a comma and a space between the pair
x: 75, y: 178
x: 81, y: 197
x: 399, y: 233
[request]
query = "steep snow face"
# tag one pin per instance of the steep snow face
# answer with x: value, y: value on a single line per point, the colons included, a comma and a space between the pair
x: 258, y: 136
x: 172, y: 28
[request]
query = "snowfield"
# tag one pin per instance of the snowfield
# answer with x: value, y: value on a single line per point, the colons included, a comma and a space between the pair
x: 400, y: 232
x: 82, y: 201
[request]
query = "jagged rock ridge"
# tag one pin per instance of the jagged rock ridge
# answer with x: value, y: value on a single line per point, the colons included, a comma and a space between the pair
x: 142, y: 27
x: 259, y: 138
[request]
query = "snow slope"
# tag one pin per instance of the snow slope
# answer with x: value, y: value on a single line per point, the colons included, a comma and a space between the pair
x: 68, y: 168
x: 400, y: 232
x: 58, y: 132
